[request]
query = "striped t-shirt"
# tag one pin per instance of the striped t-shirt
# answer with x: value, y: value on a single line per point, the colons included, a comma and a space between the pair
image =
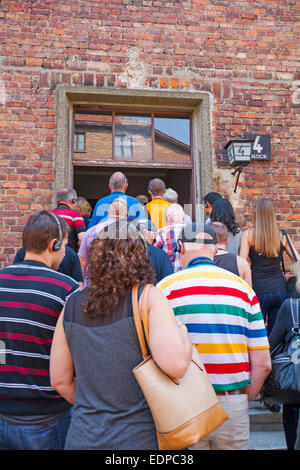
x: 75, y: 221
x: 32, y: 297
x: 223, y: 318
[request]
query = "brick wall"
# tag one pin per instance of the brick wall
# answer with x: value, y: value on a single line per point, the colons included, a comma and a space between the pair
x: 245, y: 53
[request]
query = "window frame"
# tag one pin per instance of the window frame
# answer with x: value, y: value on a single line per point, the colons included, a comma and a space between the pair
x: 76, y: 149
x: 199, y: 103
x: 143, y: 113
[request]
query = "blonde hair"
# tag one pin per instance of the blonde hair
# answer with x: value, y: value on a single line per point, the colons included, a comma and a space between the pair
x: 266, y: 233
x: 83, y: 207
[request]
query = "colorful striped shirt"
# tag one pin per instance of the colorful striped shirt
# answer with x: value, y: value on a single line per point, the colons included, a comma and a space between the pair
x: 223, y: 318
x: 32, y: 296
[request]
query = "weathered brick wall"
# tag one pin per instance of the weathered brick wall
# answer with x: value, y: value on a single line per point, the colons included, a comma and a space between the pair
x: 245, y: 53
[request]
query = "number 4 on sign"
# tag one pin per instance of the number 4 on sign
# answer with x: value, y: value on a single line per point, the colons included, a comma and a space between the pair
x: 256, y: 145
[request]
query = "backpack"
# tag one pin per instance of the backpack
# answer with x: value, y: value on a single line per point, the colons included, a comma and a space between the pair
x: 283, y: 383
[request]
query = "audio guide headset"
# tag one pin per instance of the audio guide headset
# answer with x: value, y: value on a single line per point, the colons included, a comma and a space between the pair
x: 58, y: 243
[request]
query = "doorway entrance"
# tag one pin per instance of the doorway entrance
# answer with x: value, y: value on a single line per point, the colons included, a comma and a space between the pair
x: 91, y: 182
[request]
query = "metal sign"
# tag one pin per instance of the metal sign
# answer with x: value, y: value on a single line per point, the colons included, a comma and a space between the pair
x: 261, y: 148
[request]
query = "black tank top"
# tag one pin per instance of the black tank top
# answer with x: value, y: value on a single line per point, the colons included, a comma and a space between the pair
x: 227, y: 261
x: 267, y: 276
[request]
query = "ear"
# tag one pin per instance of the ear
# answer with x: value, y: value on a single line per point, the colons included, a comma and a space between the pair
x: 50, y: 245
x: 227, y: 241
x: 182, y: 252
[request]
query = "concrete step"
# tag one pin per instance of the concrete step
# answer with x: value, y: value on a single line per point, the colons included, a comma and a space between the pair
x: 266, y: 429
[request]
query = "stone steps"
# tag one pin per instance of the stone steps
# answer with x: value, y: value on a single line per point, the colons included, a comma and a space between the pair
x: 266, y: 429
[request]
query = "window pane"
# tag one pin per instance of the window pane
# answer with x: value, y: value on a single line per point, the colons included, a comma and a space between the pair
x: 79, y: 142
x: 133, y: 138
x: 172, y: 139
x: 97, y: 129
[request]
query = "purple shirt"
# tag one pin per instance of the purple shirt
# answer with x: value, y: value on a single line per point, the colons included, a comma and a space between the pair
x: 90, y: 236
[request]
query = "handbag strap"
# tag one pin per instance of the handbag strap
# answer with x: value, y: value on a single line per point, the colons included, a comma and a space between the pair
x: 137, y: 317
x: 290, y: 245
x: 294, y: 303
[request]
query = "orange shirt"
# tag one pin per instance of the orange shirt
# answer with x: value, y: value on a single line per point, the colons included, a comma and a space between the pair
x: 156, y: 209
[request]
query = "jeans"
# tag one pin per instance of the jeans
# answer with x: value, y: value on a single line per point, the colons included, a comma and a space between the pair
x: 34, y: 436
x: 270, y: 304
x: 290, y: 414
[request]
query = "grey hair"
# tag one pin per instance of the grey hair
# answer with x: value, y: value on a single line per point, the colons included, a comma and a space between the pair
x: 171, y: 195
x: 118, y: 180
x: 174, y: 210
x: 66, y: 195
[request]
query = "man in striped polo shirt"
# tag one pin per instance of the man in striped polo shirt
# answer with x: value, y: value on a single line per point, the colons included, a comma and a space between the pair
x: 32, y: 296
x: 66, y: 199
x: 223, y: 317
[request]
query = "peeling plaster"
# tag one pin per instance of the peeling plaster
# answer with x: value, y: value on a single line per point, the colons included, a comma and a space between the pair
x: 136, y: 70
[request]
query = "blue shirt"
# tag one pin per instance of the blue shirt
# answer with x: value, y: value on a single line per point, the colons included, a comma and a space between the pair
x: 160, y: 262
x: 135, y: 209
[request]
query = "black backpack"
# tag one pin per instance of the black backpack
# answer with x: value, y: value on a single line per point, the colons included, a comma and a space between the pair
x: 283, y: 383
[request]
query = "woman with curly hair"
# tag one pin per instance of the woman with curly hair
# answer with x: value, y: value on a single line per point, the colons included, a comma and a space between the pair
x: 96, y: 339
x: 222, y: 211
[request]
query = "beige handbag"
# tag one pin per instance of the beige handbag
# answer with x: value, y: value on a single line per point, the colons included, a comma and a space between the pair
x: 185, y: 410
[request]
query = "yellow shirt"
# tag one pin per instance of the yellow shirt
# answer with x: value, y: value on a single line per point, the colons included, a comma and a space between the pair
x: 156, y: 209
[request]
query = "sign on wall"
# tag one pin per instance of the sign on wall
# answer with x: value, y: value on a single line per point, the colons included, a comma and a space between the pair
x: 261, y: 148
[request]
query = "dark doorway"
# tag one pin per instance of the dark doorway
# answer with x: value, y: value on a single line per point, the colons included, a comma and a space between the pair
x: 92, y: 182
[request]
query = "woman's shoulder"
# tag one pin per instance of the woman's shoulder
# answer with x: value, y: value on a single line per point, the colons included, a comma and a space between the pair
x: 74, y: 302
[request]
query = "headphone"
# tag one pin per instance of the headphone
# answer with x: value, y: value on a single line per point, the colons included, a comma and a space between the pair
x: 178, y: 247
x: 58, y: 243
x: 142, y: 238
x: 205, y: 241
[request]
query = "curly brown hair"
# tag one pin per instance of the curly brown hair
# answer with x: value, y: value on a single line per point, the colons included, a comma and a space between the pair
x: 117, y: 261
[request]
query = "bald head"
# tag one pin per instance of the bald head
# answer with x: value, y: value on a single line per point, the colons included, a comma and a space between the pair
x: 118, y: 182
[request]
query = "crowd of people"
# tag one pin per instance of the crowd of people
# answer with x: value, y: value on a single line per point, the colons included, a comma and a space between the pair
x: 67, y: 338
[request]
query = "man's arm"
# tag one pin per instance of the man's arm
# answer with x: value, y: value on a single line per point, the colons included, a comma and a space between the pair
x: 83, y: 264
x: 260, y: 368
x: 61, y: 364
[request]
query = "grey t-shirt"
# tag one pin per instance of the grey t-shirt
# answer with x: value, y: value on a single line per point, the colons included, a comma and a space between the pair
x: 234, y: 243
x: 110, y: 411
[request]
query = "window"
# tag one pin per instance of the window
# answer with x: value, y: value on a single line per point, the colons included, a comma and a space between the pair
x: 130, y: 136
x: 123, y: 146
x: 79, y: 142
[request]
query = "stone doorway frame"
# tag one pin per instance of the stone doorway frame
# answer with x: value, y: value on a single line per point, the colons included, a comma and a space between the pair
x: 199, y: 103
